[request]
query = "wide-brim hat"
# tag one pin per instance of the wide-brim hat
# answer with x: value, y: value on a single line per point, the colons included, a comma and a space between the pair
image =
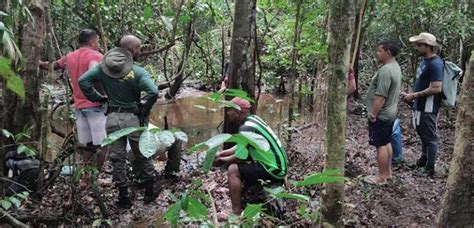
x: 424, y: 38
x: 117, y: 62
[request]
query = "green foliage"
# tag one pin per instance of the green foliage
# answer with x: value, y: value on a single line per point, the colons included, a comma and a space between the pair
x: 327, y: 176
x: 280, y: 193
x: 79, y: 172
x: 15, y: 200
x: 26, y: 150
x: 114, y: 136
x: 148, y: 143
x: 14, y: 83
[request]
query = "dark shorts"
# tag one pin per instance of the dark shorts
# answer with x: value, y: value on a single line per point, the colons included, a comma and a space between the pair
x: 380, y: 132
x: 252, y: 172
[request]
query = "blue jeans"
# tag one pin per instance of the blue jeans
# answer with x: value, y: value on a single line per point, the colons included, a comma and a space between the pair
x: 396, y: 142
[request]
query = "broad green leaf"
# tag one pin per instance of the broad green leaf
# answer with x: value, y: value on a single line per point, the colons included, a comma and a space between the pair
x: 238, y: 93
x: 14, y: 83
x: 3, y: 13
x: 148, y: 143
x: 147, y: 12
x: 166, y: 138
x: 23, y: 195
x: 196, y: 209
x: 256, y: 140
x: 210, y: 156
x: 252, y: 210
x: 172, y: 214
x: 6, y: 204
x: 280, y: 193
x: 78, y: 173
x: 7, y: 134
x: 26, y: 150
x: 217, y: 140
x: 97, y: 223
x: 184, y: 201
x: 328, y: 176
x: 15, y: 201
x: 199, y: 147
x: 114, y: 136
x: 181, y: 136
x: 228, y: 104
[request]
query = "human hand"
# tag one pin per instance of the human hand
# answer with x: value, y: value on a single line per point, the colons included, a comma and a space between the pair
x: 408, y: 98
x: 372, y: 118
x: 103, y: 99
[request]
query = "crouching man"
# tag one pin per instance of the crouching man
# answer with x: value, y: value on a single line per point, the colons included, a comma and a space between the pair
x: 248, y: 165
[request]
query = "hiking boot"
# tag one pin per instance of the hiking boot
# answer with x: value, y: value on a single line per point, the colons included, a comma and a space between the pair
x: 430, y: 171
x: 150, y: 194
x: 124, y: 198
x: 419, y: 164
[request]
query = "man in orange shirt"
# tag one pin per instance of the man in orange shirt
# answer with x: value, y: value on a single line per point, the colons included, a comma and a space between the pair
x: 90, y: 117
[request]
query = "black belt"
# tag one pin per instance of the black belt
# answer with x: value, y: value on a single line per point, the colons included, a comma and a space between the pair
x: 121, y: 110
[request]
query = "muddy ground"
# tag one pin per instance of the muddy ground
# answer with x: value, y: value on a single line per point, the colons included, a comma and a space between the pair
x: 410, y: 198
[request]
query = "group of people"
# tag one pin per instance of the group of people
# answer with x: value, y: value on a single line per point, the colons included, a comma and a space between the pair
x: 382, y: 104
x: 129, y: 92
x: 114, y: 79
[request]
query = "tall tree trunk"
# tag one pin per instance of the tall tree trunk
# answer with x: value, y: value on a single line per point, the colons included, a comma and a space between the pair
x: 339, y: 41
x: 16, y: 113
x: 293, y: 73
x: 242, y: 60
x: 103, y: 35
x: 458, y: 203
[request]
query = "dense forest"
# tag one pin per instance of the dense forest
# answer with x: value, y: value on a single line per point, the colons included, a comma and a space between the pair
x: 304, y: 70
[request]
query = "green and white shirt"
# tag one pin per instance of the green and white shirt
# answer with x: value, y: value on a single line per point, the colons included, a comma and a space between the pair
x: 274, y: 160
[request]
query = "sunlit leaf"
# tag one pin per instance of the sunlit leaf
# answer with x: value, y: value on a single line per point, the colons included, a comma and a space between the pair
x: 114, y: 136
x: 172, y: 214
x: 14, y: 83
x: 328, y: 176
x: 199, y: 147
x: 217, y: 140
x: 252, y: 210
x: 196, y: 209
x: 15, y: 201
x: 229, y: 104
x: 181, y: 136
x: 200, y: 107
x: 7, y: 134
x: 26, y: 150
x: 166, y: 138
x: 209, y: 159
x: 167, y: 21
x: 148, y: 143
x: 6, y: 204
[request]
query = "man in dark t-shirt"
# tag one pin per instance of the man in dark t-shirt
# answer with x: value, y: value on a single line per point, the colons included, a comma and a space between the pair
x: 426, y: 98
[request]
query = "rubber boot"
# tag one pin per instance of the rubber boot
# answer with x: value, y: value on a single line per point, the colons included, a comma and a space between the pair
x: 124, y: 198
x: 150, y: 194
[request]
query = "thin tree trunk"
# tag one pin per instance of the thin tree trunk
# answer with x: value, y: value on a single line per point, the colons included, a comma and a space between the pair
x: 293, y: 73
x: 339, y: 41
x: 104, y: 38
x: 458, y: 203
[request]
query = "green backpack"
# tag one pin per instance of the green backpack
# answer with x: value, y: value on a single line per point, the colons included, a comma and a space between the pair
x: 452, y: 74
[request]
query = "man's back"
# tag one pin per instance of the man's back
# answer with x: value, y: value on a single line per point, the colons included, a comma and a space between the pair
x: 77, y: 64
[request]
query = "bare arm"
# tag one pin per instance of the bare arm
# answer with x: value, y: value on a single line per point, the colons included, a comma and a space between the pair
x: 351, y: 87
x: 376, y: 106
x: 44, y: 65
x: 434, y: 88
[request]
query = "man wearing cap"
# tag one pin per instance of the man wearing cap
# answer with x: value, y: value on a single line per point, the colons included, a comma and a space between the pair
x: 90, y: 117
x: 247, y: 164
x: 426, y: 98
x: 123, y: 83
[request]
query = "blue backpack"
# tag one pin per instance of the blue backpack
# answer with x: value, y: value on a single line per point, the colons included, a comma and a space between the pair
x: 452, y: 74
